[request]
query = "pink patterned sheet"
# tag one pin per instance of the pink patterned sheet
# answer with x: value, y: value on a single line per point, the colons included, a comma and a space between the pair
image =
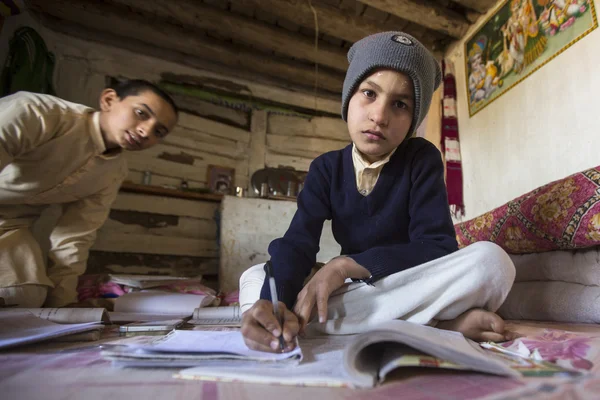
x: 60, y: 372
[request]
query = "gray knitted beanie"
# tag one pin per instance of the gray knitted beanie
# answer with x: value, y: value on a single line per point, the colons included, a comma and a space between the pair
x: 400, y: 52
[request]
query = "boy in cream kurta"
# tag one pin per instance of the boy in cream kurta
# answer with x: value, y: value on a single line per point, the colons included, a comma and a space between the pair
x: 56, y: 152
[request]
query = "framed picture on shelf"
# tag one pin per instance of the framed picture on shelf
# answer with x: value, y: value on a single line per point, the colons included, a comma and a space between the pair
x: 220, y: 179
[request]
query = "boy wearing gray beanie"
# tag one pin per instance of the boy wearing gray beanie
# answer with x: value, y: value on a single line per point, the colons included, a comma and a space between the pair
x: 386, y: 197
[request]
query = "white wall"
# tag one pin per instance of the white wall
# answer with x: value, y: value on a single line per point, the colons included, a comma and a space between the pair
x: 543, y: 129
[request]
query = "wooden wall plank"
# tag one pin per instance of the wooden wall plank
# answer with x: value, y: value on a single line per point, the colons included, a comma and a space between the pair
x: 159, y: 180
x: 104, y: 262
x: 200, y: 157
x: 211, y: 111
x: 152, y: 244
x: 213, y: 128
x: 165, y: 205
x: 258, y: 126
x: 139, y: 162
x: 239, y: 152
x: 274, y: 160
x: 324, y: 127
x: 191, y: 228
x: 183, y: 132
x: 296, y: 153
x: 304, y: 143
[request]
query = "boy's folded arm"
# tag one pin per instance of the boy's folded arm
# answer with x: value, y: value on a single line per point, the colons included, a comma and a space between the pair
x: 294, y: 255
x: 71, y: 240
x: 431, y: 231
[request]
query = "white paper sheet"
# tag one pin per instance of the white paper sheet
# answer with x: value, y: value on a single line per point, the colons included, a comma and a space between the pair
x: 213, y: 342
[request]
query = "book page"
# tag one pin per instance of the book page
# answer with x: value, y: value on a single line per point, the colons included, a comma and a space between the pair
x: 397, y: 356
x: 321, y: 366
x: 17, y: 328
x: 447, y: 345
x: 70, y: 315
x: 158, y: 302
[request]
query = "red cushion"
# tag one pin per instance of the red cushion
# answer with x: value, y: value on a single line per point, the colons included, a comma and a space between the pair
x: 561, y: 215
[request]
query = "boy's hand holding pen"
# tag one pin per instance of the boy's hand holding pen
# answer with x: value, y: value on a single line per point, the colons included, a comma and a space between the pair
x: 275, y: 301
x: 269, y: 325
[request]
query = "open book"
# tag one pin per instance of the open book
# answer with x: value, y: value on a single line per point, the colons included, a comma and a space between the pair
x: 364, y: 360
x: 70, y: 315
x: 22, y: 327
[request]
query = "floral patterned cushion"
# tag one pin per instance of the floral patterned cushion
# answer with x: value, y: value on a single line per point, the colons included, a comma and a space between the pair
x: 561, y: 215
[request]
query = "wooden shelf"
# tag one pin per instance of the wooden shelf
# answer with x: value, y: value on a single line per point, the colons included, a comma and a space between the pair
x: 161, y: 191
x: 281, y: 197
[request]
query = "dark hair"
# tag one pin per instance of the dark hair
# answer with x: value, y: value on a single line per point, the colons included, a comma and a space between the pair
x: 134, y: 87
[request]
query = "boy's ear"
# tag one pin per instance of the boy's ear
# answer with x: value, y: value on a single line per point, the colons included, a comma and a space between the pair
x: 108, y: 98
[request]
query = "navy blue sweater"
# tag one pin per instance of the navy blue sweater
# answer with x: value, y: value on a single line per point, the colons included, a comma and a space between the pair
x: 404, y: 222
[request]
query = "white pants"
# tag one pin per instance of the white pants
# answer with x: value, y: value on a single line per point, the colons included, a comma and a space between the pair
x: 478, y: 276
x: 28, y: 296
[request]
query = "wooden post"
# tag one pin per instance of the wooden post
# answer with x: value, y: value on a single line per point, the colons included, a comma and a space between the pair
x: 258, y: 129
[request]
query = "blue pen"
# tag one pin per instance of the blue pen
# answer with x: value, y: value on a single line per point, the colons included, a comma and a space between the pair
x: 275, y: 300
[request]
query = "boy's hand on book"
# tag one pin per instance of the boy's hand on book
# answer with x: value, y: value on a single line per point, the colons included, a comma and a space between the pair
x: 328, y: 279
x: 261, y: 329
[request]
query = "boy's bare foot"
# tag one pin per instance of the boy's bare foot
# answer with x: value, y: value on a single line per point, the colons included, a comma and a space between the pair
x: 479, y: 325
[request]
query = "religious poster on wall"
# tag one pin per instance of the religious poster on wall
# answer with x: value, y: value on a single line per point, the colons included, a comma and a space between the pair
x: 517, y: 40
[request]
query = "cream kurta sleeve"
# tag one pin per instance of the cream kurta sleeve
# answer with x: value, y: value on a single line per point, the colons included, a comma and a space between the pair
x: 23, y: 126
x: 70, y: 242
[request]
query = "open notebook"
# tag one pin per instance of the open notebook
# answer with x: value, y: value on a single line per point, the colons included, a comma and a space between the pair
x: 363, y: 360
x: 183, y: 348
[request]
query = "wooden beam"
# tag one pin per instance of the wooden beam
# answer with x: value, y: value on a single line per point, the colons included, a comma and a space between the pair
x: 117, y: 57
x: 242, y: 29
x: 258, y: 126
x: 102, y: 17
x: 426, y: 13
x: 481, y: 6
x: 333, y: 21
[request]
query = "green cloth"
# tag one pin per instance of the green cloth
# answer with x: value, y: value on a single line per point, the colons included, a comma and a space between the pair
x: 29, y: 65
